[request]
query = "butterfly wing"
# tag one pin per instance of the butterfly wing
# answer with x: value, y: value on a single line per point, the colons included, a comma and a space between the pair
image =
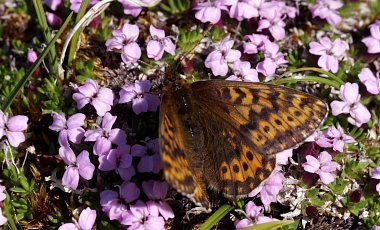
x: 273, y: 118
x: 245, y: 125
x: 179, y: 160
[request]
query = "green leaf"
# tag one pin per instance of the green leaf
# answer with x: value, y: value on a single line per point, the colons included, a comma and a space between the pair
x: 216, y: 217
x: 355, y: 169
x: 292, y: 226
x: 18, y: 190
x: 24, y: 182
x: 338, y: 185
x: 216, y: 33
x: 314, y: 198
x: 270, y: 226
x: 373, y: 152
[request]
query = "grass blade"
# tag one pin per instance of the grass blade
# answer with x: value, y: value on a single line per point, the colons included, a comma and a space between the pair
x: 22, y: 82
x: 75, y: 39
x: 41, y: 15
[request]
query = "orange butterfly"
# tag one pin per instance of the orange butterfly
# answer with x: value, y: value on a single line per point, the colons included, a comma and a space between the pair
x: 224, y: 135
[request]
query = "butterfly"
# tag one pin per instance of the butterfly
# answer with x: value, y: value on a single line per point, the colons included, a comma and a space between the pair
x: 224, y: 135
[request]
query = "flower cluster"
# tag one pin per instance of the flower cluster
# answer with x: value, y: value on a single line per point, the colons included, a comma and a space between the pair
x: 327, y: 9
x: 124, y: 40
x: 121, y: 206
x: 218, y: 59
x: 271, y: 14
x: 114, y: 154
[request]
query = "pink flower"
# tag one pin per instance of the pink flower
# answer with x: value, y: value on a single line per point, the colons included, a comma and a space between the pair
x: 156, y: 190
x: 273, y: 58
x: 209, y: 11
x: 375, y: 227
x: 243, y: 72
x: 376, y: 175
x: 77, y: 166
x: 269, y: 190
x: 31, y: 56
x: 272, y: 20
x: 3, y: 196
x: 282, y: 158
x: 335, y: 138
x: 13, y: 128
x: 54, y: 20
x: 131, y: 8
x: 256, y: 43
x: 119, y: 159
x: 129, y: 191
x: 159, y: 43
x: 243, y: 9
x: 113, y: 203
x: 137, y: 92
x: 3, y: 219
x: 373, y: 42
x: 327, y: 9
x: 254, y: 216
x: 53, y: 4
x: 150, y: 160
x: 217, y: 60
x: 125, y: 40
x: 323, y: 166
x: 105, y: 136
x: 330, y: 53
x: 75, y: 4
x: 371, y: 82
x: 100, y: 98
x: 279, y: 6
x: 351, y: 104
x: 70, y: 129
x: 139, y: 217
x: 86, y: 221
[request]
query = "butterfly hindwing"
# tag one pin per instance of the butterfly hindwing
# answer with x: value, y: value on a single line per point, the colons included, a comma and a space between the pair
x: 272, y: 118
x: 177, y: 157
x: 231, y: 166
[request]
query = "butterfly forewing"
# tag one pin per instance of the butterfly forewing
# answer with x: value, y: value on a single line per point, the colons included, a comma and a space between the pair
x: 271, y: 118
